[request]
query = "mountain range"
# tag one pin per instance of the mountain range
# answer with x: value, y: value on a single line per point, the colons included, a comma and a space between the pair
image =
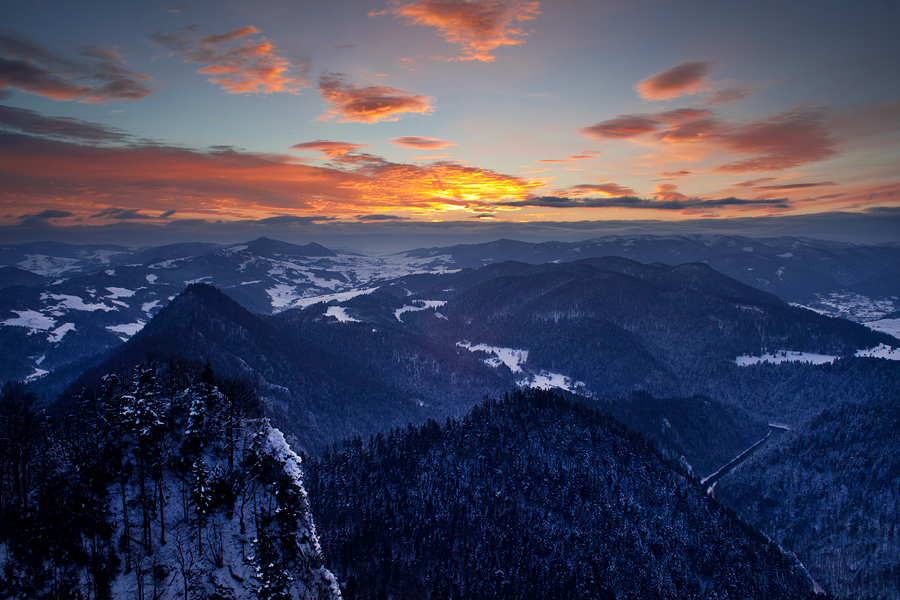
x: 343, y: 346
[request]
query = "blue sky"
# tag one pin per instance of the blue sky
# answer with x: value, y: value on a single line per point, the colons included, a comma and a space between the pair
x: 154, y: 117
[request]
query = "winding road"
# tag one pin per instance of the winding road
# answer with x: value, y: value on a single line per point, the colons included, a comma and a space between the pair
x: 775, y: 432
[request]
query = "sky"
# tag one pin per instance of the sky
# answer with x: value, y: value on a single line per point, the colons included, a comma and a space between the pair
x: 417, y: 120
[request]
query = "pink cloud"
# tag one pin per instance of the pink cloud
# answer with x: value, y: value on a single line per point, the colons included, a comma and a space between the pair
x: 90, y: 75
x: 607, y: 189
x: 421, y: 143
x: 622, y: 127
x: 237, y: 63
x: 667, y: 192
x: 779, y: 142
x: 479, y: 26
x: 685, y: 79
x: 329, y: 148
x: 368, y: 104
x: 774, y: 143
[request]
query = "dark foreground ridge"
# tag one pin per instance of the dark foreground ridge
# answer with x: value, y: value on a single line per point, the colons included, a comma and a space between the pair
x: 533, y: 497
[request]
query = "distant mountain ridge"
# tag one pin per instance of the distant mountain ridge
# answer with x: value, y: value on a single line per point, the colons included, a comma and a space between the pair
x: 92, y: 298
x: 425, y: 346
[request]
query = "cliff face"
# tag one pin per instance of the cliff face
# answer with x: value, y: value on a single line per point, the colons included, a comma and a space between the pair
x: 164, y: 489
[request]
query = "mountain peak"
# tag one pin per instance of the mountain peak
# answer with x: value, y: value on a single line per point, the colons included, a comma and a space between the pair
x: 267, y: 247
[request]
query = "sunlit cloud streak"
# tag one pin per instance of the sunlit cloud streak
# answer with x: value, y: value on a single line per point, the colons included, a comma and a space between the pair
x: 649, y: 203
x: 479, y: 26
x: 685, y: 79
x: 426, y: 143
x: 142, y: 178
x: 608, y: 189
x: 795, y: 186
x: 236, y: 62
x: 93, y: 75
x: 368, y: 103
x: 29, y: 121
x: 783, y: 141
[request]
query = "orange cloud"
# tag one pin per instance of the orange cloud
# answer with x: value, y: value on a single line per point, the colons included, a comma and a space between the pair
x: 368, y: 104
x: 421, y: 143
x: 236, y: 62
x: 42, y: 174
x: 685, y: 79
x: 774, y: 143
x: 780, y: 142
x: 328, y: 148
x: 479, y: 26
x: 90, y: 75
x: 622, y: 127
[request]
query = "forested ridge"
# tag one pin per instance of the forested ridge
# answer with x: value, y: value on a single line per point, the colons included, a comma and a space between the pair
x: 531, y: 496
x: 831, y: 492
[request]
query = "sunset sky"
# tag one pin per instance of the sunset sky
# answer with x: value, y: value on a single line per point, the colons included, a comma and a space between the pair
x: 149, y: 121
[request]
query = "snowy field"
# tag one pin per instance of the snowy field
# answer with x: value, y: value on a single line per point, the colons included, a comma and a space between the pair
x: 783, y: 356
x: 512, y: 358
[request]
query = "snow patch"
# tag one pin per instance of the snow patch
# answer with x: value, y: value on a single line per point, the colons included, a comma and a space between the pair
x: 512, y: 358
x: 38, y: 373
x: 68, y: 302
x: 340, y: 313
x: 425, y: 305
x: 198, y: 280
x: 783, y: 356
x: 786, y: 255
x: 546, y: 380
x: 31, y: 319
x: 880, y: 351
x: 339, y: 297
x: 128, y: 329
x: 283, y: 295
x: 117, y: 292
x: 148, y: 306
x: 151, y: 278
x: 60, y: 332
x: 888, y: 326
